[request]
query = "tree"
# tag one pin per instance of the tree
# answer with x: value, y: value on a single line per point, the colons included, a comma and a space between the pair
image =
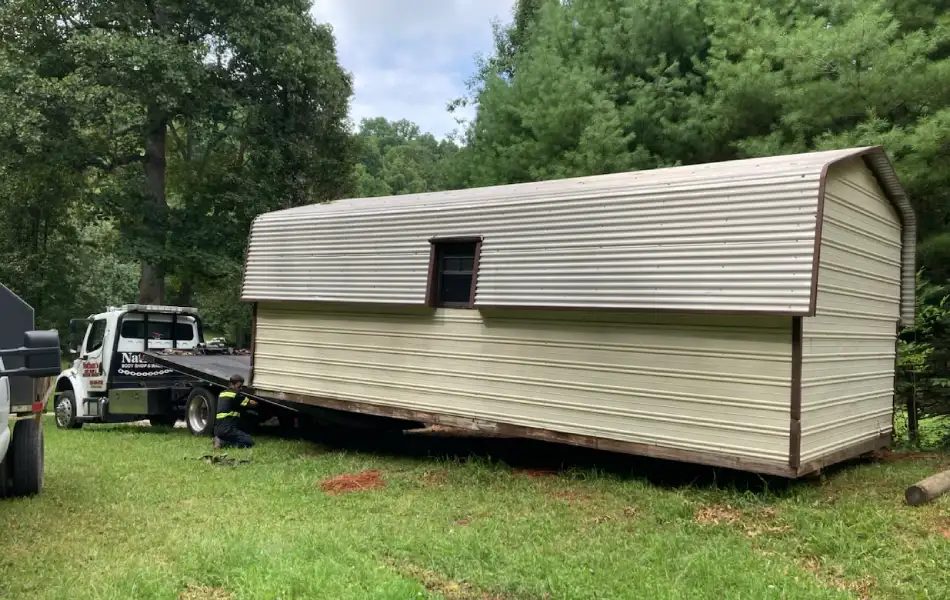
x: 819, y: 75
x: 395, y: 157
x: 923, y: 367
x: 254, y: 85
x: 54, y: 254
x: 596, y: 86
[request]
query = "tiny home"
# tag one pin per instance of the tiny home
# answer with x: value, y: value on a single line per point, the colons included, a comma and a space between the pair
x: 740, y: 314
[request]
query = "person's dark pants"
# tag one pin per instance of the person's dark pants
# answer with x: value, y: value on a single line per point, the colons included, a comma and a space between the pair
x: 230, y: 435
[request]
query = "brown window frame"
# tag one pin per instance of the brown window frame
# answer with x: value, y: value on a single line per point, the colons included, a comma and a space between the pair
x: 435, y: 274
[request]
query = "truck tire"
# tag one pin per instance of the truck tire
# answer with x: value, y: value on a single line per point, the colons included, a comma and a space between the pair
x: 199, y: 411
x: 65, y: 410
x: 27, y: 446
x: 6, y: 485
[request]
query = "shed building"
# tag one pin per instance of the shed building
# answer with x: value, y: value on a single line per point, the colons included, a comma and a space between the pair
x: 739, y: 314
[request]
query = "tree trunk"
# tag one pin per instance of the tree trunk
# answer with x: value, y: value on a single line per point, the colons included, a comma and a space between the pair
x: 152, y: 282
x: 186, y: 291
x: 912, y: 425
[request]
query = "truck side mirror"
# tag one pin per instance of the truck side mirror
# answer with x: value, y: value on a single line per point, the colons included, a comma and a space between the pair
x: 77, y: 329
x: 48, y: 359
x: 41, y: 355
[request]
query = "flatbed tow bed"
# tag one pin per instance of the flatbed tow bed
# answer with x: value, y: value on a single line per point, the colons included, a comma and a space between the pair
x: 210, y: 368
x: 212, y: 372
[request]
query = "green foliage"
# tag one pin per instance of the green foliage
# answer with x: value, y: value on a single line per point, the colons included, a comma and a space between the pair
x: 148, y: 135
x: 396, y: 158
x: 52, y: 252
x: 923, y: 368
x: 184, y: 119
x: 599, y: 86
x: 222, y: 310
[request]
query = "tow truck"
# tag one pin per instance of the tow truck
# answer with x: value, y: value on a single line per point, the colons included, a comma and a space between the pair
x: 32, y: 359
x: 111, y: 379
x: 138, y: 362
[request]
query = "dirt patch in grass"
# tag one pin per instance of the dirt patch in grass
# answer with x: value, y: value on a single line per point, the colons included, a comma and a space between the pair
x: 467, y: 519
x: 353, y: 482
x: 435, y: 478
x: 576, y: 498
x: 717, y: 514
x: 939, y: 525
x: 199, y: 592
x: 757, y: 530
x: 752, y: 524
x: 534, y: 473
x: 833, y: 576
x: 440, y: 584
x: 627, y: 513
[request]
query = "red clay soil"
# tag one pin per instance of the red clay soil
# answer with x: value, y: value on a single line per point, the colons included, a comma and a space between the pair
x: 358, y: 482
x: 535, y: 473
x: 891, y: 456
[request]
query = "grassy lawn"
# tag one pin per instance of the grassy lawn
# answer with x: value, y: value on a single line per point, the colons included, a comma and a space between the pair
x: 132, y: 512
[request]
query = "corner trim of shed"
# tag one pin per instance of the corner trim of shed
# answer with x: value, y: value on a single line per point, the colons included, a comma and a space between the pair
x: 876, y: 159
x: 795, y: 405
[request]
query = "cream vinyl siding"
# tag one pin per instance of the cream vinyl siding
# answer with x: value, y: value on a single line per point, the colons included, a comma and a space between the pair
x: 848, y: 347
x: 716, y: 384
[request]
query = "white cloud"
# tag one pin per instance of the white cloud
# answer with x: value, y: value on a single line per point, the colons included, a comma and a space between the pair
x: 410, y: 58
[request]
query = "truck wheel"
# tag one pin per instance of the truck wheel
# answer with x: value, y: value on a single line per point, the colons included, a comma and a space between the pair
x: 199, y: 411
x: 66, y: 411
x: 27, y: 446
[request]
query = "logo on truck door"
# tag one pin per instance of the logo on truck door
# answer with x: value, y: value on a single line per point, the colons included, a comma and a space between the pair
x: 134, y: 364
x: 90, y: 368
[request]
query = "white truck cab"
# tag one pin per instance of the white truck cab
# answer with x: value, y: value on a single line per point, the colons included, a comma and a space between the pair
x: 111, y: 381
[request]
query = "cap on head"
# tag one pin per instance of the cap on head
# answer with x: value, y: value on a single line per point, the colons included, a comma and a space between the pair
x: 236, y: 379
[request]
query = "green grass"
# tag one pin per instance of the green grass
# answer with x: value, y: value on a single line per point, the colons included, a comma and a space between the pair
x: 132, y: 512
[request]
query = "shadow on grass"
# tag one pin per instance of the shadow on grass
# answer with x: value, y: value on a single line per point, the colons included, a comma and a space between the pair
x: 144, y: 428
x: 534, y: 455
x: 520, y: 454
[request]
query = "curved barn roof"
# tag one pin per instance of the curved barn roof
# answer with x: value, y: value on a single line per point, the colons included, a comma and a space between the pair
x: 737, y: 236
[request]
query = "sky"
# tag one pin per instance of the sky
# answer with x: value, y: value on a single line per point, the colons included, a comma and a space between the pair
x: 410, y: 58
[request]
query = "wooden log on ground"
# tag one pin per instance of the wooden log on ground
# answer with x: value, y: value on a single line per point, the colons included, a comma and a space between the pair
x: 928, y: 489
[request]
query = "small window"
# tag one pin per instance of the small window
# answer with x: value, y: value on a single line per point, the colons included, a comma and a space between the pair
x: 453, y: 273
x: 97, y: 335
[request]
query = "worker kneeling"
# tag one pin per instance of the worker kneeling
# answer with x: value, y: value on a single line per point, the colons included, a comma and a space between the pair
x: 231, y: 403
